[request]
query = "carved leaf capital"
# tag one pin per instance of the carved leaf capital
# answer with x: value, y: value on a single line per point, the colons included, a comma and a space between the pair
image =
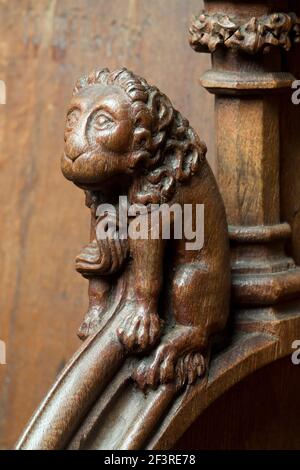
x: 209, y: 32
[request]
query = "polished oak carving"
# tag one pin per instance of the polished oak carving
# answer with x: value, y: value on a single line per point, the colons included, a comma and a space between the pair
x: 95, y: 403
x: 124, y: 138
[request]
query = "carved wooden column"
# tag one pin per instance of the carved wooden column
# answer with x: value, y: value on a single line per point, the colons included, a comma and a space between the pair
x: 247, y: 40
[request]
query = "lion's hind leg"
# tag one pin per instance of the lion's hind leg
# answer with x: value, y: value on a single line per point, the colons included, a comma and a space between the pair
x: 180, y: 358
x: 183, y: 353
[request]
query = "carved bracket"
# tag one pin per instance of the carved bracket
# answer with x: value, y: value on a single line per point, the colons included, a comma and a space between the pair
x: 210, y: 32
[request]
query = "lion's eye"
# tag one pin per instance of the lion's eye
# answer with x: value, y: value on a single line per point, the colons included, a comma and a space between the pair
x: 102, y: 121
x: 72, y: 118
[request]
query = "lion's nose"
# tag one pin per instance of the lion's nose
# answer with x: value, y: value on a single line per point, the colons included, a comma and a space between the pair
x: 75, y: 146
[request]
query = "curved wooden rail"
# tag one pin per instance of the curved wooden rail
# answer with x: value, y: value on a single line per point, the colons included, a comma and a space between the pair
x: 84, y: 411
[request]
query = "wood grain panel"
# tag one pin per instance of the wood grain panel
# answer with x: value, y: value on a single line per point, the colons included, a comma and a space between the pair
x: 44, y: 46
x: 261, y: 412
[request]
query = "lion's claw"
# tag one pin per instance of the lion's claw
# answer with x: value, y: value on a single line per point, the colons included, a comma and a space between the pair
x: 168, y: 367
x: 140, y: 331
x: 90, y: 323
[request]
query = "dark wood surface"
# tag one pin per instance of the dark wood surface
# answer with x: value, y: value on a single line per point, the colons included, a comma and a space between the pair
x: 261, y: 412
x: 44, y: 47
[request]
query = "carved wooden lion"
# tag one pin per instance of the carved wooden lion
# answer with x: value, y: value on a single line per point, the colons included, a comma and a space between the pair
x: 124, y: 138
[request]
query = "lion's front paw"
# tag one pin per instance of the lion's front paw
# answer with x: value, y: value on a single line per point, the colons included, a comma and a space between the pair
x: 140, y: 330
x: 88, y: 261
x: 90, y: 323
x: 168, y: 367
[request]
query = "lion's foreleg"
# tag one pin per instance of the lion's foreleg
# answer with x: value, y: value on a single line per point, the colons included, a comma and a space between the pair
x: 183, y: 353
x: 142, y: 326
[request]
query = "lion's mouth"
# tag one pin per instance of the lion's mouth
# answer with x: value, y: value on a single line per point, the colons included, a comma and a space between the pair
x: 73, y: 159
x: 86, y: 170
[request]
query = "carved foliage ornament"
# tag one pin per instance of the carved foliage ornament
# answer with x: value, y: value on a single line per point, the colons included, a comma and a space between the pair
x: 209, y: 32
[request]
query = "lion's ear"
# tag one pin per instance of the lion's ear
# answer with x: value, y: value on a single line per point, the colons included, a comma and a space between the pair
x: 161, y: 110
x: 164, y: 111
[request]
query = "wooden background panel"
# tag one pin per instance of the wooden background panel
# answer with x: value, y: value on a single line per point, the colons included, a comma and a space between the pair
x: 45, y: 46
x: 261, y: 412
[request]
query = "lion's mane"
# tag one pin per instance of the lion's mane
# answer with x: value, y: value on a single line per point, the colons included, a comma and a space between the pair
x: 165, y: 148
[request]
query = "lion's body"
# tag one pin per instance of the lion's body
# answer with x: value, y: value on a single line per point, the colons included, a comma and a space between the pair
x: 202, y: 274
x: 124, y: 138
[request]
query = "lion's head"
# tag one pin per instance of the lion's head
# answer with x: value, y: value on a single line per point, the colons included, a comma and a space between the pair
x: 120, y: 131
